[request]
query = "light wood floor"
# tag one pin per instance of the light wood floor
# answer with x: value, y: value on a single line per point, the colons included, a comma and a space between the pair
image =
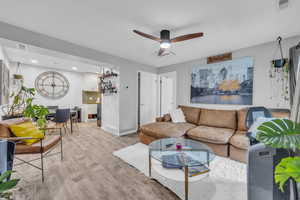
x: 89, y: 171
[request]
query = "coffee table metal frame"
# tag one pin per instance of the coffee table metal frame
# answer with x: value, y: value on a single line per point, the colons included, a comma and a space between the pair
x: 186, y: 168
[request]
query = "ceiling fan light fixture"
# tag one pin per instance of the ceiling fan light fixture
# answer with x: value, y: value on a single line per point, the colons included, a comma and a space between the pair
x: 165, y: 44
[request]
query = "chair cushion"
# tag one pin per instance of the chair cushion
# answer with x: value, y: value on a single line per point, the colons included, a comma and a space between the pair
x: 4, y: 126
x: 48, y: 142
x: 218, y: 118
x: 211, y: 134
x: 192, y: 114
x: 240, y: 140
x: 27, y: 129
x: 166, y: 129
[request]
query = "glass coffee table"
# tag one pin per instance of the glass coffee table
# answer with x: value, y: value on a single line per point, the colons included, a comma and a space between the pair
x: 180, y: 153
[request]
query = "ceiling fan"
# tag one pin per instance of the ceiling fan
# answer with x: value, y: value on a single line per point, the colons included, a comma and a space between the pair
x: 165, y: 41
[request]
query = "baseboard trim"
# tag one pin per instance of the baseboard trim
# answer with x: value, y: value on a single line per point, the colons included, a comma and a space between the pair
x: 128, y: 132
x: 110, y: 130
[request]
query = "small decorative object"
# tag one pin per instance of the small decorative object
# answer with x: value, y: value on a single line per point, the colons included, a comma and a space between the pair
x: 278, y: 73
x: 18, y: 75
x: 282, y: 62
x: 229, y: 82
x: 52, y: 85
x: 178, y: 146
x: 219, y: 58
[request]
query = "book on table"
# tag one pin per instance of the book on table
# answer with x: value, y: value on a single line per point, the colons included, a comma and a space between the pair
x: 176, y: 161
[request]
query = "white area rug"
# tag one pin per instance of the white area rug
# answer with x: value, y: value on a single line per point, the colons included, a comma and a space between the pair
x: 226, y: 180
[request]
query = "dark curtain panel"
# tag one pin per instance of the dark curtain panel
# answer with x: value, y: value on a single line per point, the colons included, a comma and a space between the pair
x: 294, y: 60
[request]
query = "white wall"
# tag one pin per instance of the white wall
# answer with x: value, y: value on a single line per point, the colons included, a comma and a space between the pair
x: 77, y: 81
x: 262, y: 54
x: 129, y: 95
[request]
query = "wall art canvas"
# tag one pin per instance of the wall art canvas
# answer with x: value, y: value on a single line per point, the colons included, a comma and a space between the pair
x: 229, y: 82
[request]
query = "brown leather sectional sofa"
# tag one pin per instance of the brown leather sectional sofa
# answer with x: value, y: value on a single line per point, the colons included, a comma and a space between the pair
x: 222, y: 130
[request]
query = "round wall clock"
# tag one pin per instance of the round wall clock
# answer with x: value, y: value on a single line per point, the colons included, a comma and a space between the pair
x: 52, y: 85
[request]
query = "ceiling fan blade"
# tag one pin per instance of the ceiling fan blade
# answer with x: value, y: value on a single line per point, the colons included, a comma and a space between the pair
x: 161, y: 51
x: 186, y: 37
x: 147, y: 35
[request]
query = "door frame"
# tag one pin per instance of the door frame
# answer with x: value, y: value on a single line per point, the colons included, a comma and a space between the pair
x: 139, y: 95
x: 173, y: 75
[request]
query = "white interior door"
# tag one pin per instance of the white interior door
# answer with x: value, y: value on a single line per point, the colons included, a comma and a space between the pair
x: 168, y: 92
x: 148, y: 97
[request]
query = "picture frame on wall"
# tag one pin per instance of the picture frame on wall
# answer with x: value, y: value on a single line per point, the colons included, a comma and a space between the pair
x: 4, y: 80
x: 229, y: 82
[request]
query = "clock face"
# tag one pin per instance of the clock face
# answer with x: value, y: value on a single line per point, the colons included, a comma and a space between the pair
x: 52, y: 85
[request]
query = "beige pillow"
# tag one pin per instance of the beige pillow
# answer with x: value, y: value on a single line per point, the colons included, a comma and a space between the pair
x: 177, y: 116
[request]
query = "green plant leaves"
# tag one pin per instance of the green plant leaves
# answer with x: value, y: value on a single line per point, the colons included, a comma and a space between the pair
x: 280, y: 133
x: 5, y: 175
x: 38, y: 112
x: 7, y: 185
x: 286, y: 169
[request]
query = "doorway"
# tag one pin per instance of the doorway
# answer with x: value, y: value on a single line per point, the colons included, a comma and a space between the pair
x: 147, y: 97
x: 167, y: 92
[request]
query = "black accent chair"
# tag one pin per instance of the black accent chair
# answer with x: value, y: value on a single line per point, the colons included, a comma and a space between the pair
x: 252, y: 114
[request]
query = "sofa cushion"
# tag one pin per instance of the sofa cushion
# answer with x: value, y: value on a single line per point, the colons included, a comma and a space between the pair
x: 4, y: 126
x: 240, y: 140
x: 218, y: 118
x: 192, y: 114
x: 211, y: 134
x: 166, y: 129
x: 241, y: 114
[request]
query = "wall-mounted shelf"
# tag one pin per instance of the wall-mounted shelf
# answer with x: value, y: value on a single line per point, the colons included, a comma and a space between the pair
x: 108, y: 81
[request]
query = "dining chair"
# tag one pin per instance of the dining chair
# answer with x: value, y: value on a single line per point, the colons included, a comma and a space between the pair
x: 62, y: 116
x: 75, y: 117
x: 52, y: 110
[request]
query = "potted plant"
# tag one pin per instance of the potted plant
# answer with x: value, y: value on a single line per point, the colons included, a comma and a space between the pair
x: 283, y: 133
x: 19, y: 102
x: 6, y: 185
x: 36, y: 112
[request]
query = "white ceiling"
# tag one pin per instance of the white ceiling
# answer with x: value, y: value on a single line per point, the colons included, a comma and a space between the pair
x: 107, y: 25
x: 27, y: 57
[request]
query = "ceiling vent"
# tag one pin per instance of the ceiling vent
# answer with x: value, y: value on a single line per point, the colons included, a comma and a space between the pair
x: 283, y: 4
x: 22, y: 47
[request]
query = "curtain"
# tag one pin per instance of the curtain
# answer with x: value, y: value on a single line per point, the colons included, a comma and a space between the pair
x: 294, y: 53
x: 295, y: 84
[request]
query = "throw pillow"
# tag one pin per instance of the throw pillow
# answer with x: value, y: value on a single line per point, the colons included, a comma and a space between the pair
x: 27, y: 129
x: 177, y: 116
